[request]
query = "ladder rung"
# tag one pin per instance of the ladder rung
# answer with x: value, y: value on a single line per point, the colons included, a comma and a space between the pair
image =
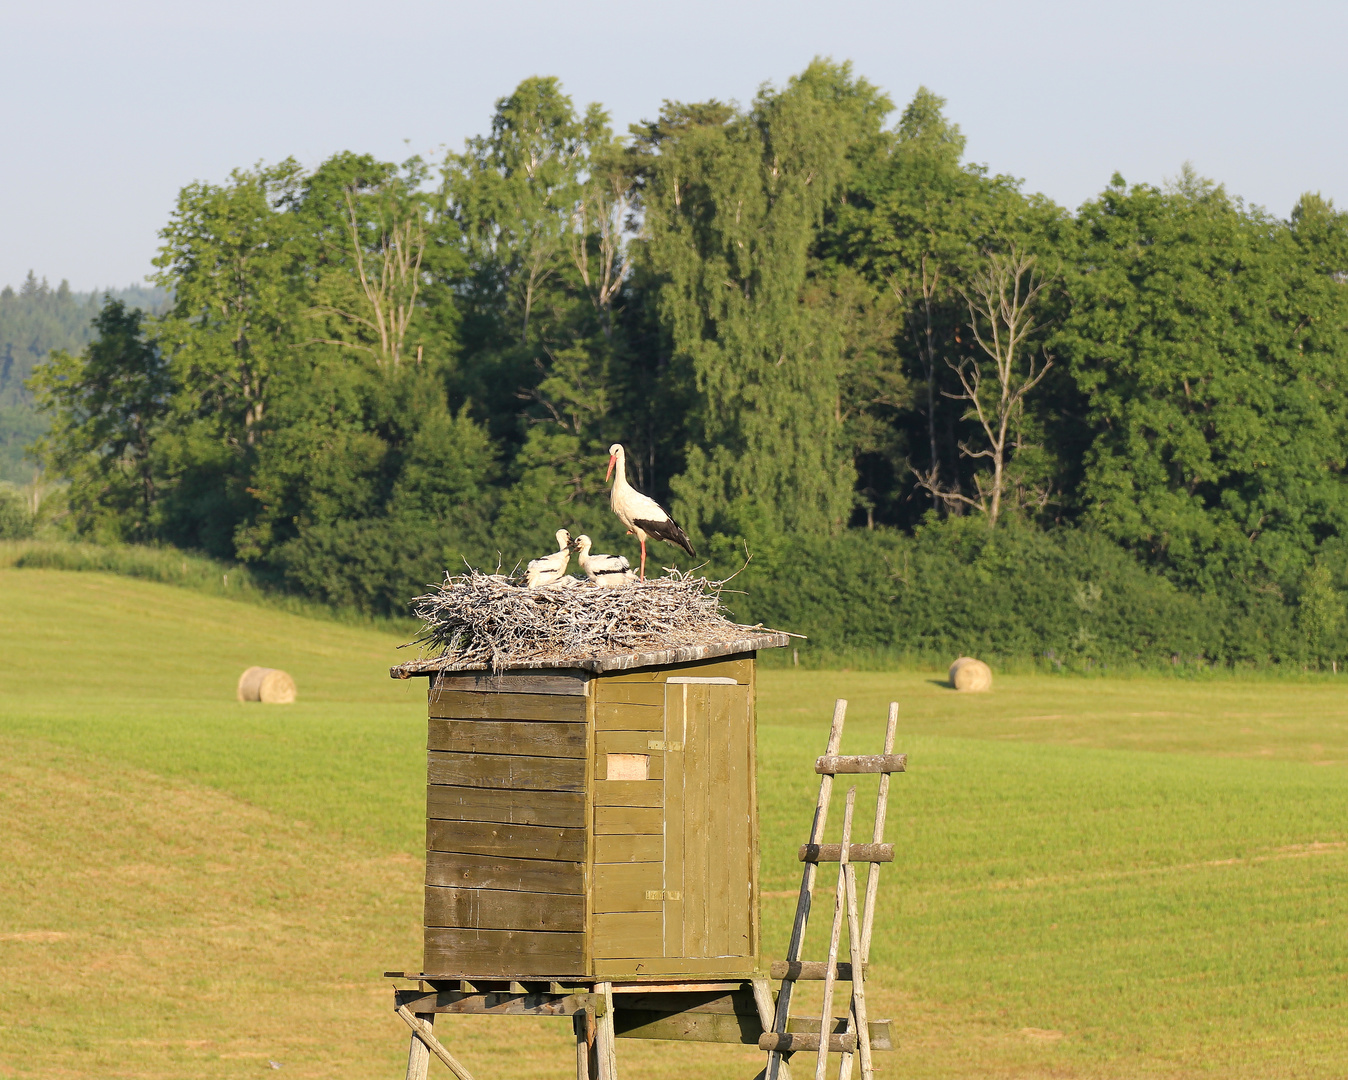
x: 812, y: 970
x: 793, y: 1041
x: 855, y: 853
x: 832, y: 764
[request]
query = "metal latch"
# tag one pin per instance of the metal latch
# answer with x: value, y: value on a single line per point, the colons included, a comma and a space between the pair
x: 660, y: 744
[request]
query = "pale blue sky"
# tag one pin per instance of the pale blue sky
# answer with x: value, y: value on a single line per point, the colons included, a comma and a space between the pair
x: 111, y: 107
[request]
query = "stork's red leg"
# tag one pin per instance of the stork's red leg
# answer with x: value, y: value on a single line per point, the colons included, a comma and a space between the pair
x: 643, y: 558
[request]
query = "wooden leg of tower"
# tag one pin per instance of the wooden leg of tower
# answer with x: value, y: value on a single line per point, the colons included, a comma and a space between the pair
x: 583, y: 1026
x: 606, y: 1035
x: 418, y: 1056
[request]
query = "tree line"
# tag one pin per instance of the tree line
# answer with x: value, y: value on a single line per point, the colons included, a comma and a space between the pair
x: 810, y: 320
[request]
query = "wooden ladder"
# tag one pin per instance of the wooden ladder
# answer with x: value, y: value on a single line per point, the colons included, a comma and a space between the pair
x: 854, y: 1037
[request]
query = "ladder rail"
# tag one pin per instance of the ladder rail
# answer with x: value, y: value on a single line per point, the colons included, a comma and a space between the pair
x: 856, y: 1016
x: 835, y: 934
x: 776, y: 1063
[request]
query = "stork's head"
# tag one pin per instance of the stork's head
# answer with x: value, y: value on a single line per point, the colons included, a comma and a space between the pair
x: 614, y: 452
x: 563, y: 540
x: 583, y: 544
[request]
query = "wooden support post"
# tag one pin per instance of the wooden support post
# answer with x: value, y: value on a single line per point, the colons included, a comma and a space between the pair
x: 774, y: 1070
x: 835, y: 935
x: 858, y: 984
x: 578, y: 1027
x: 423, y: 1031
x: 418, y: 1054
x: 606, y: 1035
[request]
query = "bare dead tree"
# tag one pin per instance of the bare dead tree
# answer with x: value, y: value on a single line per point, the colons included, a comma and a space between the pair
x: 1001, y: 299
x: 606, y: 206
x: 390, y: 287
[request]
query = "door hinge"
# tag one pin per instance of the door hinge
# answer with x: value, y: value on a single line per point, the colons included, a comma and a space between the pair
x: 663, y: 894
x: 660, y: 744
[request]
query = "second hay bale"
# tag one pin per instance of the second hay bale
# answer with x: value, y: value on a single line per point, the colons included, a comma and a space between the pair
x: 271, y: 686
x: 970, y: 675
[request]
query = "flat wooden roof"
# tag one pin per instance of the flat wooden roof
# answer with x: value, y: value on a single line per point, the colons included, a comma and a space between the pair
x: 610, y: 661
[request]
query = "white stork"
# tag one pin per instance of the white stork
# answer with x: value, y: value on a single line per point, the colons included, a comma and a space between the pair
x: 642, y: 515
x: 608, y: 571
x: 550, y: 569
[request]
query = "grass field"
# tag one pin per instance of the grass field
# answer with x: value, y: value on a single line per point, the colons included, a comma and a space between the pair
x: 1098, y: 878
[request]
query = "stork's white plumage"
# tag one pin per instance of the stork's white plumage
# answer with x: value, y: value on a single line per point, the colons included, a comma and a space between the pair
x: 642, y: 515
x: 550, y: 569
x: 608, y: 571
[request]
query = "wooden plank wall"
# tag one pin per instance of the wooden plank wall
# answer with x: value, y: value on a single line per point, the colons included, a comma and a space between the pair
x: 505, y: 826
x: 674, y: 855
x: 629, y: 820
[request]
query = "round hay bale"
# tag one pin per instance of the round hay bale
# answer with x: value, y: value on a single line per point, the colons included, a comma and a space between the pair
x: 271, y: 686
x: 969, y: 674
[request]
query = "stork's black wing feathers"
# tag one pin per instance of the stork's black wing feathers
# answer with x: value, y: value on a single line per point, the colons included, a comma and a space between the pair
x: 668, y: 531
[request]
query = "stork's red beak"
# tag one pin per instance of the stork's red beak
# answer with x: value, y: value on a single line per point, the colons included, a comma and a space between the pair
x: 612, y: 460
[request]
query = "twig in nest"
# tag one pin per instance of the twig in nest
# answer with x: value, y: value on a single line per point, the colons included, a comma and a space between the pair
x: 488, y: 619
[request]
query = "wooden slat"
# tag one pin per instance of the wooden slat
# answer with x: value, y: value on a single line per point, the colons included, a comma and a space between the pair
x: 623, y: 887
x: 712, y: 967
x: 532, y: 738
x: 625, y: 935
x: 628, y: 819
x: 505, y: 771
x: 793, y: 1042
x: 697, y: 845
x: 467, y: 705
x: 860, y: 763
x: 739, y: 811
x: 494, y: 909
x: 557, y: 809
x: 726, y: 839
x: 855, y: 853
x: 675, y: 731
x: 737, y: 668
x: 454, y: 870
x: 518, y: 954
x: 549, y: 683
x: 657, y: 999
x: 629, y: 742
x: 619, y: 716
x: 687, y: 1026
x: 628, y: 849
x: 628, y: 793
x: 607, y: 691
x: 810, y: 970
x: 454, y: 1002
x: 509, y: 841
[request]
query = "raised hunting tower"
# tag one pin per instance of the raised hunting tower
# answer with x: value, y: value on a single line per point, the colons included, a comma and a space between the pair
x: 593, y: 819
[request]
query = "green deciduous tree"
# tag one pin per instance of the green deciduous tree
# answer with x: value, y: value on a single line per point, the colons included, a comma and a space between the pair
x: 732, y: 204
x: 1208, y: 340
x: 106, y: 406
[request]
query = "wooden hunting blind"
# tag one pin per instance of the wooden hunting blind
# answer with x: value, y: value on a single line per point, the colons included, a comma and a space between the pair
x: 593, y: 820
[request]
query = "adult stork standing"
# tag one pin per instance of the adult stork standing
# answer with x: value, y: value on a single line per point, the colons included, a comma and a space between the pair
x: 607, y: 571
x: 550, y: 569
x: 642, y: 515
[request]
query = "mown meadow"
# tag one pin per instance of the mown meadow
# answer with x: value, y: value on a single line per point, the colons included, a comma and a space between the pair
x: 1097, y: 877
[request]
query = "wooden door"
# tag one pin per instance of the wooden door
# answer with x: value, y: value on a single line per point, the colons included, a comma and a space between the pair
x: 709, y: 856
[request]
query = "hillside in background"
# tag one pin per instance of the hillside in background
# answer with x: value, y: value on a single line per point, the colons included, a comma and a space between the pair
x: 1099, y: 878
x: 34, y: 319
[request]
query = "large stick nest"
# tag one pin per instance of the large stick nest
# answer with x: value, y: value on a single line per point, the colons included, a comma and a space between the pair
x: 489, y: 620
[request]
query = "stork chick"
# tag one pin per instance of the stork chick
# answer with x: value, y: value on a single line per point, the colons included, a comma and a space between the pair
x: 550, y: 569
x: 606, y: 571
x: 642, y: 515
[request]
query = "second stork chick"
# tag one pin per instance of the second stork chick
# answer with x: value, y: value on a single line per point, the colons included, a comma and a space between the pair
x: 607, y: 571
x: 550, y: 569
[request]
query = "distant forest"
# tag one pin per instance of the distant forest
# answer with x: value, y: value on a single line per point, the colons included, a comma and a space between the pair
x: 939, y: 411
x: 34, y: 320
